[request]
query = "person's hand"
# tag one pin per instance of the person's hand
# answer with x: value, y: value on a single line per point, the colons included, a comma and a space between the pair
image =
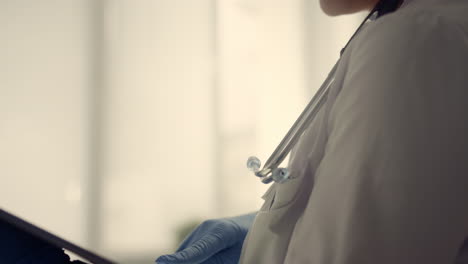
x: 216, y: 241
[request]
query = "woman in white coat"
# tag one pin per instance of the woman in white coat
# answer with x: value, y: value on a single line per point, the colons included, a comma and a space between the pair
x: 381, y: 175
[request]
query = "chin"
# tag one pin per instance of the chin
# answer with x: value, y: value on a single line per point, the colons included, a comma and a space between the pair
x: 344, y: 7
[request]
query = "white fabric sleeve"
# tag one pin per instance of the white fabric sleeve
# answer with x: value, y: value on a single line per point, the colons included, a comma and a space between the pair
x: 392, y: 186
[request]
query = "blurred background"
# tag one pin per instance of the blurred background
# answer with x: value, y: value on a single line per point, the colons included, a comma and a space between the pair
x: 124, y: 123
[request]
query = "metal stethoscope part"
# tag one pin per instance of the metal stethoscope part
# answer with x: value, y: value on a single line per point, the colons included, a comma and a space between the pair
x: 271, y: 170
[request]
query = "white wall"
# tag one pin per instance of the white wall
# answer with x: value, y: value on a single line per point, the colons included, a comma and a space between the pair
x: 159, y: 113
x: 261, y: 58
x: 44, y: 62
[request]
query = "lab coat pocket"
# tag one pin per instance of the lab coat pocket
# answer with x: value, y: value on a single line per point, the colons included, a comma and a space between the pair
x: 269, y: 198
x: 285, y: 193
x: 280, y: 195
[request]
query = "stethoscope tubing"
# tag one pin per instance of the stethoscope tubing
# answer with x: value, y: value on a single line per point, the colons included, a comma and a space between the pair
x: 267, y: 173
x: 299, y: 126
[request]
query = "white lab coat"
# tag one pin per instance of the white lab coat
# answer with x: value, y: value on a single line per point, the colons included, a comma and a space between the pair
x: 381, y: 175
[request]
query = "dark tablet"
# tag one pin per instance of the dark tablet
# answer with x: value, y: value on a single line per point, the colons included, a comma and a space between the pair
x: 52, y: 239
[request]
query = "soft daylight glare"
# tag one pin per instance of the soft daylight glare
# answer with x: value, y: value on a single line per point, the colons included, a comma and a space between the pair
x: 125, y: 123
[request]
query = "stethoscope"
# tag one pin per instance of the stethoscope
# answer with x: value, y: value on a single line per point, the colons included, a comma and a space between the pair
x: 271, y: 170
